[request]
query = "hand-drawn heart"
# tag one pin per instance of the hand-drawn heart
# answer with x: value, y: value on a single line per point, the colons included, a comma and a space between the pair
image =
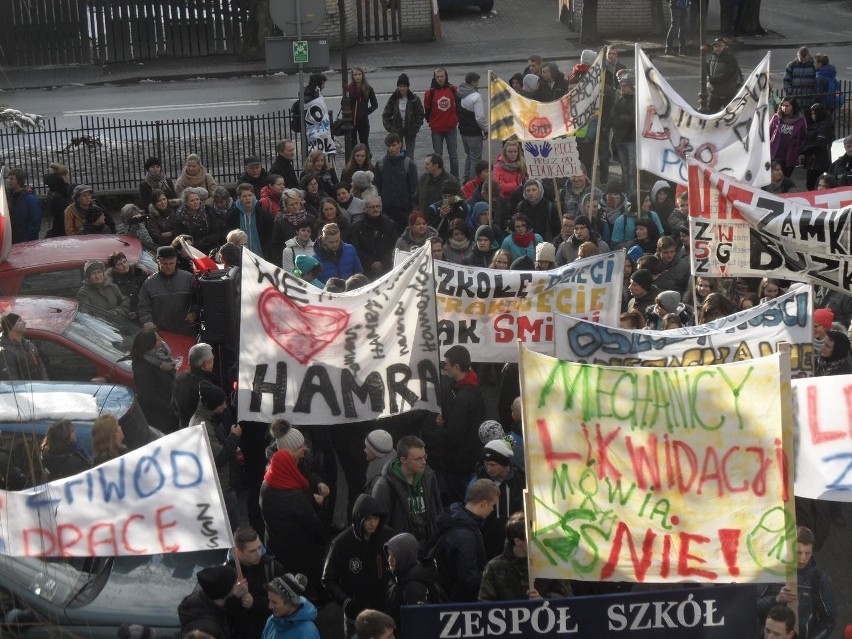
x: 302, y: 331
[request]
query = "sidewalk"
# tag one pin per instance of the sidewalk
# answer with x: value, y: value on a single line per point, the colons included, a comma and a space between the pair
x: 514, y: 30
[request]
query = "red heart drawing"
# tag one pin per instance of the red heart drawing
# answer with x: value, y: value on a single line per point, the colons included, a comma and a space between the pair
x: 302, y: 331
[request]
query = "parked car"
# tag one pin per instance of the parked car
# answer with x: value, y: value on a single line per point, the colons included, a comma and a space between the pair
x: 484, y: 5
x: 54, y: 266
x: 84, y: 345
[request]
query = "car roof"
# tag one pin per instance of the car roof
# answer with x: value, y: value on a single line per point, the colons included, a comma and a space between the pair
x: 46, y: 314
x: 70, y: 251
x: 23, y: 401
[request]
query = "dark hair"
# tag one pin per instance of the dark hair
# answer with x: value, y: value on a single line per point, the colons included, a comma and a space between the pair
x: 144, y: 341
x: 351, y: 167
x: 19, y: 174
x: 459, y: 356
x: 272, y: 178
x: 651, y: 263
x: 821, y: 58
x: 392, y: 138
x: 819, y: 111
x: 784, y: 614
x: 230, y: 254
x: 516, y: 527
x: 666, y: 242
x: 405, y: 444
x: 244, y: 535
x: 793, y: 102
x: 472, y: 77
x: 634, y: 317
x: 436, y: 159
x: 481, y: 165
x: 805, y: 535
x: 115, y: 257
x: 356, y: 281
x: 372, y: 624
x: 328, y: 200
x: 335, y: 285
x: 57, y: 439
x: 242, y: 188
x: 482, y: 490
x: 830, y: 180
x: 671, y: 317
x: 156, y: 194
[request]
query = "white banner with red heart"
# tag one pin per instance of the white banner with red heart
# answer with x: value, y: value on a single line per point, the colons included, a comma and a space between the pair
x: 313, y: 357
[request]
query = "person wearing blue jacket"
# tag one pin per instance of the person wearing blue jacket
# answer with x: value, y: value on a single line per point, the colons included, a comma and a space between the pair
x: 24, y: 208
x: 338, y: 258
x: 292, y: 616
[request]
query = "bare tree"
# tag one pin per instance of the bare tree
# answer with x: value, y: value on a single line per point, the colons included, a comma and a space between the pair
x: 258, y: 27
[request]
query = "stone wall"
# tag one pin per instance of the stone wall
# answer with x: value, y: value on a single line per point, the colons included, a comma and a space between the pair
x: 418, y: 20
x: 331, y: 25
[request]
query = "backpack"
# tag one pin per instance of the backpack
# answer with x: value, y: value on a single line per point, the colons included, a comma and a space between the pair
x: 433, y: 552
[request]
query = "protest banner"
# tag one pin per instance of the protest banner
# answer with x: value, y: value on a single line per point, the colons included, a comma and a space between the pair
x: 724, y: 244
x: 161, y: 498
x: 318, y: 127
x: 734, y: 141
x: 518, y: 117
x: 659, y: 474
x: 757, y: 332
x: 705, y: 613
x: 552, y: 158
x: 823, y: 410
x: 488, y: 310
x: 314, y: 357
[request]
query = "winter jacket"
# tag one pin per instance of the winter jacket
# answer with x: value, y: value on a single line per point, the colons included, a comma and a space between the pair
x: 571, y: 201
x: 723, y: 74
x: 270, y: 203
x: 166, y: 300
x: 66, y: 464
x: 506, y: 578
x: 256, y: 224
x: 407, y: 243
x: 250, y: 622
x: 410, y: 583
x: 818, y: 141
x: 20, y: 360
x: 508, y: 179
x: 362, y: 105
x: 58, y: 199
x: 284, y: 167
x: 393, y: 121
x: 459, y: 210
x: 411, y: 508
x: 343, y: 263
x: 675, y: 277
x: 471, y: 113
x: 624, y: 119
x: 223, y: 443
x: 355, y: 575
x: 841, y: 169
x: 256, y: 183
x: 25, y: 210
x: 569, y: 250
x: 543, y: 215
x: 153, y: 386
x: 159, y: 223
x: 106, y: 296
x: 624, y: 229
x: 198, y: 612
x: 511, y: 500
x: 786, y: 137
x: 822, y: 79
x: 518, y: 251
x: 641, y: 304
x: 396, y: 179
x: 374, y: 238
x: 299, y: 625
x: 460, y: 552
x: 283, y: 230
x: 817, y: 612
x: 799, y: 78
x: 185, y: 393
x: 440, y: 104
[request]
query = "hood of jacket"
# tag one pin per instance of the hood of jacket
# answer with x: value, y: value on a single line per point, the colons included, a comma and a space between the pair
x: 465, y: 90
x: 365, y: 506
x: 659, y: 185
x: 404, y: 549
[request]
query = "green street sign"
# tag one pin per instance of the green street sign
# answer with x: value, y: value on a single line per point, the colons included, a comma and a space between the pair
x: 300, y: 52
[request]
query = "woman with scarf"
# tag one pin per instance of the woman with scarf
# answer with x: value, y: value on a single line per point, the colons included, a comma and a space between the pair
x: 290, y: 498
x: 312, y: 191
x: 192, y: 219
x: 287, y: 223
x: 194, y: 174
x: 787, y: 132
x: 458, y: 248
x: 331, y: 213
x: 155, y: 179
x: 834, y: 358
x: 362, y: 101
x: 248, y: 216
x: 154, y: 378
x: 317, y: 165
x: 522, y: 240
x: 510, y: 172
x: 161, y: 218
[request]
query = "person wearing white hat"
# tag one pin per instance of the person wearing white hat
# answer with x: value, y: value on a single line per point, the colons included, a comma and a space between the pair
x: 497, y: 465
x: 378, y: 447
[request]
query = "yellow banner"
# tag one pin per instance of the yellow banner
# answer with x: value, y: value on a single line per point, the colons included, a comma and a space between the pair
x: 659, y: 475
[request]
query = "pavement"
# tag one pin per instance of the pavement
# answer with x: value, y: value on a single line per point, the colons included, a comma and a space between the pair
x: 468, y: 38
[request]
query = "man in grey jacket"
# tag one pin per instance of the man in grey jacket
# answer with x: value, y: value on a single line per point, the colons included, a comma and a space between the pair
x: 473, y: 124
x: 167, y: 300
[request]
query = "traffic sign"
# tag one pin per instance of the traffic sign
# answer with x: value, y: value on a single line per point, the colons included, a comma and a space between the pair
x: 300, y: 52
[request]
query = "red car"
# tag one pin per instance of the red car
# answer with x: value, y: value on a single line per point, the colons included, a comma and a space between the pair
x: 84, y: 346
x: 54, y: 266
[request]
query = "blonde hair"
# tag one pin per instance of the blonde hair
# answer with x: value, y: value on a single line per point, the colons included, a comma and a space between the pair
x: 237, y: 236
x: 312, y: 157
x: 330, y: 229
x: 522, y: 165
x: 104, y: 442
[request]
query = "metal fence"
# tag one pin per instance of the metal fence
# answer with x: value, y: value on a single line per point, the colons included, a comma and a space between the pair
x: 109, y: 153
x: 842, y: 115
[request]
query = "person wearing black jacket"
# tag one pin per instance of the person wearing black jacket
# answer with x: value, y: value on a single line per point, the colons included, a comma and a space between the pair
x: 374, y: 238
x: 413, y: 582
x: 723, y: 76
x: 405, y: 121
x: 254, y: 174
x: 283, y: 164
x: 59, y: 452
x: 58, y: 198
x: 354, y: 575
x: 553, y: 84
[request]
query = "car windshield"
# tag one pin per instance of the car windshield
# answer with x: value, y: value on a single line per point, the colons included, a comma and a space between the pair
x: 107, y: 335
x: 148, y: 264
x: 61, y: 581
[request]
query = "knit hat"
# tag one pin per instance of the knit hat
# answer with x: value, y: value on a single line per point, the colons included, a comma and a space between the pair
x: 80, y: 189
x: 824, y: 317
x: 628, y: 78
x: 136, y: 631
x: 252, y: 159
x: 93, y: 214
x: 210, y: 395
x: 363, y: 179
x: 588, y: 57
x: 306, y: 263
x: 290, y: 587
x: 643, y: 278
x: 682, y: 228
x: 614, y: 186
x: 9, y: 320
x: 450, y: 187
x: 583, y: 220
x: 402, y: 80
x: 489, y: 430
x: 152, y: 161
x: 545, y: 252
x: 91, y: 266
x: 669, y: 300
x: 217, y: 581
x: 166, y: 253
x: 459, y: 224
x: 291, y: 439
x: 531, y: 81
x: 498, y: 451
x: 415, y: 216
x: 380, y: 442
x: 484, y: 231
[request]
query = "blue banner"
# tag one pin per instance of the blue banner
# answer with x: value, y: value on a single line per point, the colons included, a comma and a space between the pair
x: 718, y: 612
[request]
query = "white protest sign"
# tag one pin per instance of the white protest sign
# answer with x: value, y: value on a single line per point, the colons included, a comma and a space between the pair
x: 668, y: 129
x: 488, y: 310
x: 755, y: 333
x: 161, y: 498
x: 547, y: 159
x: 318, y: 127
x: 314, y: 357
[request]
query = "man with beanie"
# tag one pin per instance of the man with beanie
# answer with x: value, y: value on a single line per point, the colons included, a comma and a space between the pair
x: 545, y: 257
x: 643, y: 291
x: 396, y: 179
x: 204, y: 609
x: 540, y: 210
x: 379, y: 450
x: 354, y: 575
x: 167, y: 298
x: 224, y: 436
x: 624, y: 130
x: 668, y: 302
x: 452, y: 436
x: 441, y: 105
x: 569, y: 250
x: 24, y: 207
x: 94, y: 222
x: 498, y: 466
x: 19, y: 357
x: 430, y: 189
x: 403, y: 115
x: 473, y: 123
x: 96, y: 292
x: 250, y: 612
x: 293, y: 616
x: 408, y: 490
x: 484, y: 247
x: 185, y: 393
x: 155, y: 179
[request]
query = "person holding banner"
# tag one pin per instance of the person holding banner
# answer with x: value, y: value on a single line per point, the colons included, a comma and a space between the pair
x: 204, y: 609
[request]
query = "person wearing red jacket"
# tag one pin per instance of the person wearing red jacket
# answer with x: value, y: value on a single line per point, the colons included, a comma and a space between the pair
x: 441, y: 104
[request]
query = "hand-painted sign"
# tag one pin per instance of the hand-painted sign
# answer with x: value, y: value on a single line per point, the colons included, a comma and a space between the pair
x: 548, y: 159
